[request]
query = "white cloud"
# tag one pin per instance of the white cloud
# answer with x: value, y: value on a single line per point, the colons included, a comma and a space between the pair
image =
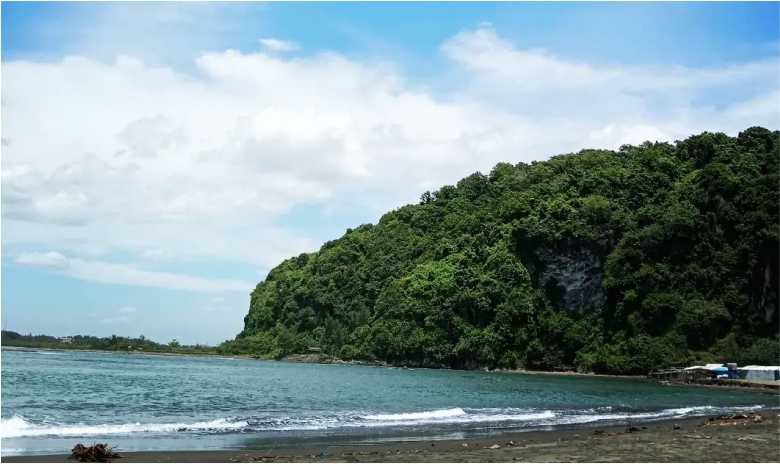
x: 277, y: 45
x: 125, y: 274
x: 167, y: 167
x: 127, y: 310
x: 50, y: 259
x: 616, y: 104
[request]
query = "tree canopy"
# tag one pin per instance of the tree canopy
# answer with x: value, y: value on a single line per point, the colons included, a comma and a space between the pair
x: 608, y: 261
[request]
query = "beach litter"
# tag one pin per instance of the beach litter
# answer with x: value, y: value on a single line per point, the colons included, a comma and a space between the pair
x: 99, y: 452
x: 749, y: 438
x: 734, y: 419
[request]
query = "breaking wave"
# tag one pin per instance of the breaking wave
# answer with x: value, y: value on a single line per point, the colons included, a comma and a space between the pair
x: 437, y: 414
x: 19, y: 427
x: 510, y: 417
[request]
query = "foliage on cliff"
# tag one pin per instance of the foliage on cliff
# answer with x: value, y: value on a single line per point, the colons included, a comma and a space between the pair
x: 608, y: 261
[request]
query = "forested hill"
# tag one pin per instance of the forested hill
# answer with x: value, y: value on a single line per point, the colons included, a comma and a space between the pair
x: 607, y: 261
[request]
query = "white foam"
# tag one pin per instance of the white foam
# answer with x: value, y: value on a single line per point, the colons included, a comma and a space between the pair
x: 663, y: 414
x: 19, y: 427
x: 437, y: 414
x: 453, y: 416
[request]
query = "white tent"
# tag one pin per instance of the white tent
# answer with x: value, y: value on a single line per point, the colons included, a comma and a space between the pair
x: 759, y: 372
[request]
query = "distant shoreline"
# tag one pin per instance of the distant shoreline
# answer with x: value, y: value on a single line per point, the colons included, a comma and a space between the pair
x: 317, y: 359
x: 740, y: 438
x: 147, y: 353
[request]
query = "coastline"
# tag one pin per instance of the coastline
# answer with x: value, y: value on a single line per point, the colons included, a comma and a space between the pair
x: 324, y: 359
x: 146, y: 353
x: 734, y: 438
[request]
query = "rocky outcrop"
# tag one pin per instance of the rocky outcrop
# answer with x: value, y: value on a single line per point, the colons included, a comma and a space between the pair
x: 571, y: 275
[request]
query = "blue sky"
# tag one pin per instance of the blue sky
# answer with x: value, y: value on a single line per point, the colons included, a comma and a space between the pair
x: 160, y: 158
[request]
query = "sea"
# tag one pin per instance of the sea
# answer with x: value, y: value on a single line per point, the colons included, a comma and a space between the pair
x: 52, y: 400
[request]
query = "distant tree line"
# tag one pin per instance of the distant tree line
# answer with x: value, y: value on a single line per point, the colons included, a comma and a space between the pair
x: 112, y: 343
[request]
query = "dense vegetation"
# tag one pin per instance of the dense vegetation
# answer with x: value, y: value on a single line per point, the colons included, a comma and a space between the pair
x: 607, y: 261
x: 113, y: 343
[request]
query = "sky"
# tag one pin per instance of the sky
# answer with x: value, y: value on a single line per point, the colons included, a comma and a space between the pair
x: 158, y: 159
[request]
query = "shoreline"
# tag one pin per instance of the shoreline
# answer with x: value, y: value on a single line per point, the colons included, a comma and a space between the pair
x: 147, y: 353
x: 327, y: 360
x: 739, y: 437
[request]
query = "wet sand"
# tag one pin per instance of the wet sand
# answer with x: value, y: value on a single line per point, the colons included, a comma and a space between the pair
x: 743, y: 438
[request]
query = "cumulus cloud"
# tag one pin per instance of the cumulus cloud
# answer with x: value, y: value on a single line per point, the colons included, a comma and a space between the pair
x: 277, y: 45
x: 164, y: 166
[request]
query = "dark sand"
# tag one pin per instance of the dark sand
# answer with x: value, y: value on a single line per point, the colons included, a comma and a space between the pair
x: 744, y: 439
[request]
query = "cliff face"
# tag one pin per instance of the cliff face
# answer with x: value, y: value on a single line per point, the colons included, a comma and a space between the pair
x: 571, y: 275
x: 609, y: 261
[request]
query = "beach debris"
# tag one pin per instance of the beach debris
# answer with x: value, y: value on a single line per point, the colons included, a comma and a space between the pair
x: 749, y: 438
x: 99, y: 452
x: 465, y: 445
x: 633, y: 429
x: 598, y: 432
x: 510, y: 443
x: 496, y: 446
x: 676, y: 427
x: 698, y: 437
x: 734, y: 419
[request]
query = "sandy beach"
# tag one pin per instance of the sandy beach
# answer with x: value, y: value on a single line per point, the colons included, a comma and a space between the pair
x: 749, y: 437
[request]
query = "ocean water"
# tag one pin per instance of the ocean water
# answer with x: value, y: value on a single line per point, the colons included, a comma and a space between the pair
x: 52, y: 400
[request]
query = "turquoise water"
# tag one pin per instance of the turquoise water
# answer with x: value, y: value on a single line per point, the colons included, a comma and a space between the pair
x: 54, y: 399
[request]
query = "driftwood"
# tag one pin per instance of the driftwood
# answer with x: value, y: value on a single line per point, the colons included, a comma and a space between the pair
x: 99, y: 452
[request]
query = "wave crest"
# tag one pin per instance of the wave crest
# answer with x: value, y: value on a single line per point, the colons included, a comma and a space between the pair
x: 18, y: 427
x: 437, y: 414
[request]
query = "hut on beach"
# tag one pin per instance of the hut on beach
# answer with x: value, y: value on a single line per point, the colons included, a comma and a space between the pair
x: 759, y: 373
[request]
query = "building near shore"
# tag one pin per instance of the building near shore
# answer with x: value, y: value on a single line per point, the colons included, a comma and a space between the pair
x: 707, y: 371
x: 714, y: 373
x: 762, y: 373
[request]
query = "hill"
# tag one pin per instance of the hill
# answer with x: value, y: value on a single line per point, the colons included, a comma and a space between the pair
x: 607, y: 261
